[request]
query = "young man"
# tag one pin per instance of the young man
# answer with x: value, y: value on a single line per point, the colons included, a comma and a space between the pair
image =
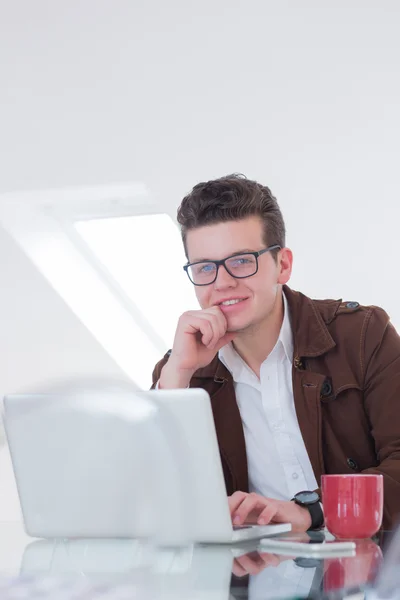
x: 298, y: 387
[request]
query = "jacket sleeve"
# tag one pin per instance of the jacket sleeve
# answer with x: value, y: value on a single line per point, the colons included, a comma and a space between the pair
x: 157, y: 370
x: 380, y: 365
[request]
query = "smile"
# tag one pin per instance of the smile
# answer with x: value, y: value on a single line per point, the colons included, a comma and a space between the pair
x: 234, y: 301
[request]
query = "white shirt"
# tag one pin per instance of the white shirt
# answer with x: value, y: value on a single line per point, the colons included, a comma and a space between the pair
x: 277, y: 459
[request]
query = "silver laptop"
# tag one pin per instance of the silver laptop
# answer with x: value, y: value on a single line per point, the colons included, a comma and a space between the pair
x: 48, y: 488
x: 212, y: 522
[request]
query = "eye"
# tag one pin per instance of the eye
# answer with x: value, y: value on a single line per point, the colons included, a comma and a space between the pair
x: 203, y: 268
x: 241, y: 261
x: 207, y: 268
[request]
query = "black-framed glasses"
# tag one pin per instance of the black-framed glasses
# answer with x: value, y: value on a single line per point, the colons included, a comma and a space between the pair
x: 239, y: 266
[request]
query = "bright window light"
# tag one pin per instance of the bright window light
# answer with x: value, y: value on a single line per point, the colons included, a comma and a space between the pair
x: 144, y: 254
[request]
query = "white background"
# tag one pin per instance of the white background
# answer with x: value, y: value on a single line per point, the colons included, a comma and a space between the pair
x: 303, y: 96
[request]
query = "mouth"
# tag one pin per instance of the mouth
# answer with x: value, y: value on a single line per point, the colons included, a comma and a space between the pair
x: 231, y: 301
x: 232, y: 305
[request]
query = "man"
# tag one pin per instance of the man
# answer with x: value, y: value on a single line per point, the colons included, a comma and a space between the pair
x: 298, y: 387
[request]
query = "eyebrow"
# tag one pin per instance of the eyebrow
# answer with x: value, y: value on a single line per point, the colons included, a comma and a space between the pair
x: 237, y: 253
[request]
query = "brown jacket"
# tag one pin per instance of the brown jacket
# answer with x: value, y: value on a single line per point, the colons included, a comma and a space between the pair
x: 346, y: 386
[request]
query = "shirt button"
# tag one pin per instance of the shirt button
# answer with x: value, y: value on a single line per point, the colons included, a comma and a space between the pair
x: 295, y: 476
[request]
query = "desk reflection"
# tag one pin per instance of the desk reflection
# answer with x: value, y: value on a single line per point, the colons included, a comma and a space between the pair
x: 212, y: 572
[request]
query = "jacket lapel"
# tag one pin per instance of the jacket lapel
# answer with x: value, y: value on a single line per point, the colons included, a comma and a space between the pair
x: 311, y: 338
x: 217, y: 380
x: 306, y: 390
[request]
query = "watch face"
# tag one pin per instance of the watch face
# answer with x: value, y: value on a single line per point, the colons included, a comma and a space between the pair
x: 307, y: 497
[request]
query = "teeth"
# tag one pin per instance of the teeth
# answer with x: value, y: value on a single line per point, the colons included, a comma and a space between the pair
x: 228, y: 302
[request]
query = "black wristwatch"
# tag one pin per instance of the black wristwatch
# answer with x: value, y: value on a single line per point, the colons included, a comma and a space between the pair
x: 311, y: 501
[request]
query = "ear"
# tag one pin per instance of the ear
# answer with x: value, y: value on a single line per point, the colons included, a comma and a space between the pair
x: 285, y: 264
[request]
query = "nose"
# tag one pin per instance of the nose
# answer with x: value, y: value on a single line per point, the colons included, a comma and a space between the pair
x: 224, y: 279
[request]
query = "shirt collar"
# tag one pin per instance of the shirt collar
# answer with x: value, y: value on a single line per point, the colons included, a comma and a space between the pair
x: 235, y: 364
x: 286, y: 334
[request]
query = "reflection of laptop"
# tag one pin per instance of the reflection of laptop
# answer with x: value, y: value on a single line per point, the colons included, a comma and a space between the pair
x: 211, y: 518
x: 186, y: 572
x: 116, y: 556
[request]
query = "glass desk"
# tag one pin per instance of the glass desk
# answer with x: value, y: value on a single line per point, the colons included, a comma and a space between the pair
x: 121, y: 569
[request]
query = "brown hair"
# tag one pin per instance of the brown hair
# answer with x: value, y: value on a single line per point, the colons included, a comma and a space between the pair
x: 232, y: 198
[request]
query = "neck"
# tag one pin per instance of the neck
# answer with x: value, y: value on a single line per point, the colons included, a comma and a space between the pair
x: 256, y: 343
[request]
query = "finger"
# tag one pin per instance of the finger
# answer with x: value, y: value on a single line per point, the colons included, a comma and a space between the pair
x: 207, y: 331
x: 248, y: 505
x: 235, y: 500
x: 268, y: 513
x: 218, y: 324
x: 237, y: 569
x: 218, y: 332
x: 215, y: 310
x: 228, y: 337
x: 200, y: 324
x: 210, y: 328
x: 270, y: 560
x: 251, y: 565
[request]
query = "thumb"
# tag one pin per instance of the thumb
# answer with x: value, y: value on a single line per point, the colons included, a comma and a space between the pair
x: 228, y: 337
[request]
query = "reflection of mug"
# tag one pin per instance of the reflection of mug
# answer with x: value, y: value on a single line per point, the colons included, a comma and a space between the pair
x: 353, y: 504
x: 353, y: 571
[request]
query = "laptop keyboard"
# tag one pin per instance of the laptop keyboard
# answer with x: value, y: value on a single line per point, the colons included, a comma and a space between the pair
x: 56, y: 588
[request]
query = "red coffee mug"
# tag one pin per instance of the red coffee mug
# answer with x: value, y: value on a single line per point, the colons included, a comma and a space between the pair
x: 353, y: 505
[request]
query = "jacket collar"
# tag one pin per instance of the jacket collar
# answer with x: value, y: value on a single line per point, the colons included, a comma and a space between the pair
x: 309, y: 326
x: 309, y: 321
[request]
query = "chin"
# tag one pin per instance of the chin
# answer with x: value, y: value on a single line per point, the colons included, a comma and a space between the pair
x: 238, y: 327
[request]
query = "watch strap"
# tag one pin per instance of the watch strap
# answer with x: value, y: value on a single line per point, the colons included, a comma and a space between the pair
x: 315, y: 510
x: 317, y: 515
